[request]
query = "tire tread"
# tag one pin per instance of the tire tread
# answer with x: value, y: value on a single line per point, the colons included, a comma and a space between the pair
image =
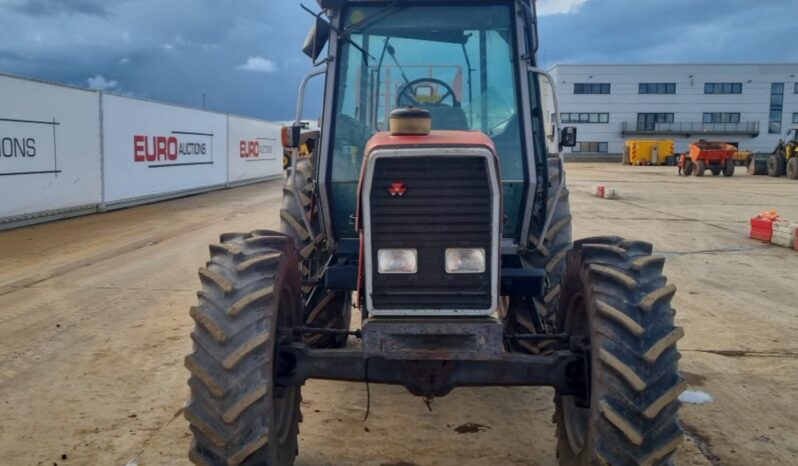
x: 636, y: 381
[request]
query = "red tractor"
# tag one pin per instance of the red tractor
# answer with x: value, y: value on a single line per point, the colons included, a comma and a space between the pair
x: 717, y: 157
x: 449, y: 229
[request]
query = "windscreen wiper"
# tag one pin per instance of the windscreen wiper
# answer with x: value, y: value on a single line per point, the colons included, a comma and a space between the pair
x: 392, y: 53
x: 363, y: 51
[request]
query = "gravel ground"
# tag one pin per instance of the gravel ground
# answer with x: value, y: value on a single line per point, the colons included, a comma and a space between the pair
x: 94, y: 325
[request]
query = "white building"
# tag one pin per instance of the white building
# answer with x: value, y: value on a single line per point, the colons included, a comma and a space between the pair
x: 751, y: 105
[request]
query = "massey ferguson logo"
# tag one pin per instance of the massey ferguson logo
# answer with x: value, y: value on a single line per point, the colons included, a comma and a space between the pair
x: 178, y: 149
x: 397, y: 189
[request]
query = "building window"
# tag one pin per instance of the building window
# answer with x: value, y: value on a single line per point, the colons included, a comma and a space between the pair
x: 585, y: 117
x: 591, y: 147
x: 591, y: 88
x: 648, y: 121
x: 723, y: 88
x: 795, y: 117
x: 776, y: 107
x: 721, y: 117
x: 657, y: 88
x: 796, y: 88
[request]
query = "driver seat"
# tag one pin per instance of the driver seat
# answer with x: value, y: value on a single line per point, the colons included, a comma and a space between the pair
x: 445, y: 117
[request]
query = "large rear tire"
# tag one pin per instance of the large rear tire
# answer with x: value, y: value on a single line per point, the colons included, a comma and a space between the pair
x: 776, y: 165
x: 250, y: 292
x: 537, y: 314
x: 615, y: 296
x: 328, y: 309
x: 792, y: 168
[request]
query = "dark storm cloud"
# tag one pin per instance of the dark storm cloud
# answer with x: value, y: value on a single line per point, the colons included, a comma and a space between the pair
x: 673, y: 31
x: 244, y: 54
x: 54, y: 7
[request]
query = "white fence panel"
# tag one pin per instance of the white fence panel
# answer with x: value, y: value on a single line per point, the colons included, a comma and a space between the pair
x: 154, y: 149
x: 49, y: 149
x: 255, y: 150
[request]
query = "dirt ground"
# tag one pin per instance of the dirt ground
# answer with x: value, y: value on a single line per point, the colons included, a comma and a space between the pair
x: 94, y: 325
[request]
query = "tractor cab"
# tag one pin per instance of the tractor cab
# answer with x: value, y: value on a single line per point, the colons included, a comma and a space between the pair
x: 466, y: 63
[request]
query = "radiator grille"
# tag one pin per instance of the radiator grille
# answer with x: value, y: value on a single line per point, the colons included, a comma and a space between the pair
x: 447, y: 204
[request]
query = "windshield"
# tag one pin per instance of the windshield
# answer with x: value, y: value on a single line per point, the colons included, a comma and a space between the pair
x: 458, y: 63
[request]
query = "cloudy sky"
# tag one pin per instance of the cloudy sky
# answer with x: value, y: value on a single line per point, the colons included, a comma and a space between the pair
x: 245, y: 54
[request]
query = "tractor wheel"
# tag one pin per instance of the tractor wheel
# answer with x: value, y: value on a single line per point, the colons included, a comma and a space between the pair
x: 324, y: 308
x: 776, y: 164
x: 758, y: 166
x: 728, y: 168
x: 688, y: 167
x: 537, y: 314
x: 250, y: 291
x: 792, y: 168
x: 700, y: 168
x: 616, y: 298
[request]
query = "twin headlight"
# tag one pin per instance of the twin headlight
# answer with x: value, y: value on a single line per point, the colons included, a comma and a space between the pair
x: 458, y: 260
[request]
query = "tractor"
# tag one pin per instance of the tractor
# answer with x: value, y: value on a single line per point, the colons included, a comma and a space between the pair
x: 784, y: 160
x: 427, y: 243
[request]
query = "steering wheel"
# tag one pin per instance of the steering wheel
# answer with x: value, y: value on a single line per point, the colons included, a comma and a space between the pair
x: 407, y: 96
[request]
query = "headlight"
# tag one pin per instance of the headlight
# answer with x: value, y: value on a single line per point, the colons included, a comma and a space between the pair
x: 465, y: 260
x: 397, y: 260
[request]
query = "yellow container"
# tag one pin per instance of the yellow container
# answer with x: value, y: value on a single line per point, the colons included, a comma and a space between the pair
x: 647, y: 151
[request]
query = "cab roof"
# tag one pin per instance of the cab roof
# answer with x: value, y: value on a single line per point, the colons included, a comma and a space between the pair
x: 337, y: 4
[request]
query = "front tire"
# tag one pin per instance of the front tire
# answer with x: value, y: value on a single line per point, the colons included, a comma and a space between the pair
x: 614, y: 295
x: 689, y: 166
x: 792, y: 168
x: 728, y: 168
x: 758, y: 166
x: 700, y: 168
x: 776, y: 165
x: 250, y: 292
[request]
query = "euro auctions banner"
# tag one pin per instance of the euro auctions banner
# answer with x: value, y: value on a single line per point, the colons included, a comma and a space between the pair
x: 28, y: 147
x: 49, y: 148
x: 254, y: 149
x: 152, y: 149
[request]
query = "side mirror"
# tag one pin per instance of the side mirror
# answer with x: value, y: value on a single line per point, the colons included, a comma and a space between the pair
x: 317, y: 38
x: 291, y: 136
x: 568, y: 137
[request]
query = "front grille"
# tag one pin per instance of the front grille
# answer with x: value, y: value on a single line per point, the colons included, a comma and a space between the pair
x: 447, y: 204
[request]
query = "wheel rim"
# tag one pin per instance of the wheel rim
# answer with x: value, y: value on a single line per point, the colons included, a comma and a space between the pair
x: 576, y: 409
x: 284, y: 400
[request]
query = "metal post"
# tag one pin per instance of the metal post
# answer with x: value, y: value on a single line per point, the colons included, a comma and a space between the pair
x: 295, y: 152
x: 558, y: 127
